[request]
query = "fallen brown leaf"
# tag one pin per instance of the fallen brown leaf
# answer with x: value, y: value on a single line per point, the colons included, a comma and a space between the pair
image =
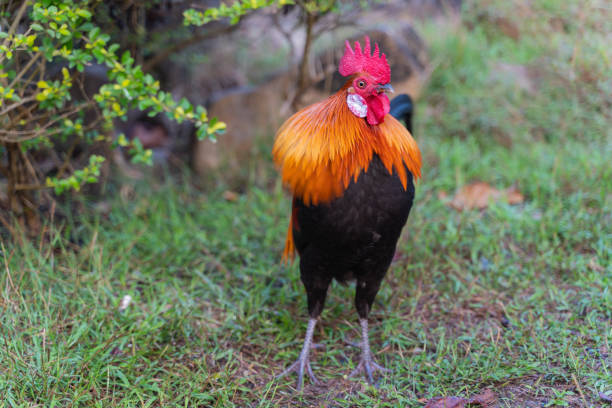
x: 514, y: 196
x: 446, y: 402
x: 478, y: 195
x: 508, y: 28
x: 230, y: 195
x: 486, y: 399
x: 594, y: 265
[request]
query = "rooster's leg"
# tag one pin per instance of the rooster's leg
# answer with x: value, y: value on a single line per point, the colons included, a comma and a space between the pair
x: 303, y: 361
x: 316, y: 291
x: 366, y: 363
x: 364, y: 297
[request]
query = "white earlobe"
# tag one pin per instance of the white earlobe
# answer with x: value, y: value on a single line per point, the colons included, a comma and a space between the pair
x: 357, y: 105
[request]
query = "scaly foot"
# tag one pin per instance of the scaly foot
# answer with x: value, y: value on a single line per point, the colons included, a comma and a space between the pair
x: 303, y: 361
x: 366, y: 362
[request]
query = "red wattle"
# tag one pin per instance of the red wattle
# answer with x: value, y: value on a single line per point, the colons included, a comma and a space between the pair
x: 378, y: 107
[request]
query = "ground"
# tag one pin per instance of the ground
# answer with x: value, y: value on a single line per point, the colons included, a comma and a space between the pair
x: 512, y: 298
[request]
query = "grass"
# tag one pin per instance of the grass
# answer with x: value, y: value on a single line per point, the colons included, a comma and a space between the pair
x: 514, y: 298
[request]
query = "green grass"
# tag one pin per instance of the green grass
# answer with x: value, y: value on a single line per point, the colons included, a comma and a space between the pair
x: 514, y: 298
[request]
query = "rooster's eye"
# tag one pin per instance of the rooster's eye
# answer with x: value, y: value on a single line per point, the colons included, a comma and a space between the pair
x: 361, y: 84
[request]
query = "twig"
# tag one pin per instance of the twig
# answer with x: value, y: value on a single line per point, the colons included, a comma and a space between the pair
x: 348, y: 21
x: 31, y: 134
x: 286, y: 34
x: 579, y: 389
x: 8, y: 226
x: 304, y: 77
x: 16, y: 105
x: 66, y: 163
x: 15, y: 24
x: 25, y: 69
x: 29, y: 187
x: 28, y: 164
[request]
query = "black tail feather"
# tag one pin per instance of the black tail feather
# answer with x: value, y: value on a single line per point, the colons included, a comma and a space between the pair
x: 402, y: 109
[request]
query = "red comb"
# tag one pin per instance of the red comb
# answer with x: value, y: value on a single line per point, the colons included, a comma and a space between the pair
x: 356, y: 61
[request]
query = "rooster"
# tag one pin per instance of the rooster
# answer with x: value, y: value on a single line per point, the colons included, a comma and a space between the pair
x: 350, y: 167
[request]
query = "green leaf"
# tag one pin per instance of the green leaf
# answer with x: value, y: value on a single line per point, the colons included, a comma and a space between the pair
x: 125, y: 58
x: 83, y: 13
x: 93, y: 34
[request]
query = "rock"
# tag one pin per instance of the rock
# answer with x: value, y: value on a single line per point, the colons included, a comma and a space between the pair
x: 249, y: 113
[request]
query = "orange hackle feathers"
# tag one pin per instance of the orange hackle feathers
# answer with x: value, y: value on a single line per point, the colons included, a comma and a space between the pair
x: 321, y: 148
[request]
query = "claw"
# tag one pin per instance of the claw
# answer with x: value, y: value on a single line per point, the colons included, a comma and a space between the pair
x: 312, y: 376
x: 298, y: 368
x: 369, y: 366
x: 352, y: 343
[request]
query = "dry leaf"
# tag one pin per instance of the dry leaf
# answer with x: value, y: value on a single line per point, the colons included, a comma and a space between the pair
x: 508, y: 27
x: 230, y: 195
x: 486, y: 399
x: 446, y: 402
x: 594, y: 265
x: 514, y: 196
x: 479, y: 195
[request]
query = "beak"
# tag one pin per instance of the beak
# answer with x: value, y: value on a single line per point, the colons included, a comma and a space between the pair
x: 384, y: 88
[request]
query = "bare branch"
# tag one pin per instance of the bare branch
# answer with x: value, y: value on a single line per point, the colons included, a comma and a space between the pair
x: 16, y: 21
x: 25, y: 69
x: 32, y: 134
x: 17, y: 105
x: 30, y: 187
x: 286, y: 34
x: 304, y: 77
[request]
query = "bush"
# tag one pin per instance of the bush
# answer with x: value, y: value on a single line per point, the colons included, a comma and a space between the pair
x: 45, y: 112
x: 53, y: 130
